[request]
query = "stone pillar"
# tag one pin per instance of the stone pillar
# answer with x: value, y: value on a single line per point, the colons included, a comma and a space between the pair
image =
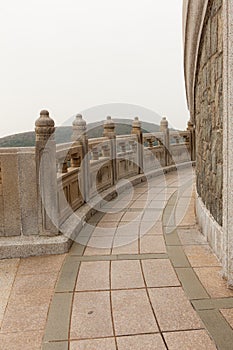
x: 191, y: 128
x: 109, y: 132
x: 137, y: 130
x: 228, y: 141
x: 79, y: 136
x: 164, y: 128
x: 46, y: 174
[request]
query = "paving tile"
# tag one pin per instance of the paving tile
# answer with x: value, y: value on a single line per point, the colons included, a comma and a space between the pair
x: 177, y: 256
x: 191, y: 284
x: 90, y: 251
x: 40, y: 297
x: 9, y: 264
x: 40, y: 264
x: 125, y: 245
x: 93, y: 276
x: 112, y: 217
x: 141, y: 342
x: 213, y: 282
x: 91, y: 316
x: 218, y: 328
x: 191, y: 237
x: 126, y: 228
x: 4, y: 296
x: 159, y: 273
x: 152, y: 244
x: 201, y: 256
x: 94, y: 344
x: 77, y: 248
x: 152, y: 215
x: 139, y: 204
x: 57, y: 327
x: 189, y: 340
x: 21, y: 340
x: 132, y: 216
x: 103, y: 232
x: 155, y: 204
x: 126, y: 274
x: 228, y: 315
x: 7, y: 277
x: 173, y: 310
x: 106, y: 225
x: 101, y: 242
x: 67, y: 278
x: 61, y: 345
x: 20, y: 319
x: 25, y: 284
x: 211, y: 304
x: 132, y: 312
x: 156, y: 229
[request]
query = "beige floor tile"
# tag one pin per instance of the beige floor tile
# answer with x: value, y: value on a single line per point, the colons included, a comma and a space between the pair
x: 6, y: 279
x: 189, y: 340
x: 132, y: 216
x: 100, y: 242
x: 93, y: 276
x: 103, y: 231
x: 126, y: 228
x: 4, y: 297
x: 191, y: 237
x: 126, y: 274
x: 22, y: 340
x: 125, y: 245
x: 213, y: 282
x: 90, y: 251
x: 157, y: 204
x: 132, y: 312
x: 159, y: 273
x: 112, y: 217
x: 228, y: 314
x: 20, y: 319
x: 40, y: 297
x: 156, y: 229
x: 40, y: 264
x: 26, y: 284
x: 91, y: 316
x: 11, y: 264
x: 139, y: 204
x: 107, y: 224
x: 152, y: 244
x: 201, y: 256
x: 94, y: 344
x: 152, y: 215
x: 141, y: 342
x: 173, y: 310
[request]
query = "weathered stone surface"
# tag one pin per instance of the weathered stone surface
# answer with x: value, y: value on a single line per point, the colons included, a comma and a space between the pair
x: 209, y: 112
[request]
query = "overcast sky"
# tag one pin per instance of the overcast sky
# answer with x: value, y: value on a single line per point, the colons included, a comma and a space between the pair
x: 70, y: 55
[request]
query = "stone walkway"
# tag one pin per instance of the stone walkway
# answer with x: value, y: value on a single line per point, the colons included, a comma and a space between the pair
x: 140, y: 276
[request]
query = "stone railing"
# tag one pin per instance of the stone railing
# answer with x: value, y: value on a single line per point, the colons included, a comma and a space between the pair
x: 41, y: 187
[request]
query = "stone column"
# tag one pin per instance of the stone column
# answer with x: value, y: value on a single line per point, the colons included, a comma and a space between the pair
x: 228, y: 141
x: 109, y: 132
x: 46, y: 174
x: 137, y: 130
x: 191, y: 128
x: 79, y: 136
x: 164, y: 128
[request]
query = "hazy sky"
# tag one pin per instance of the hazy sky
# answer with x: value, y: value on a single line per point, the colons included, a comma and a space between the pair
x: 70, y: 55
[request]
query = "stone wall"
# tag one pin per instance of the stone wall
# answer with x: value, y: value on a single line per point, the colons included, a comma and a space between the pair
x: 208, y: 112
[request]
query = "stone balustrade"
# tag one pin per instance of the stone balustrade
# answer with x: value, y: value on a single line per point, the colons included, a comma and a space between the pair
x: 40, y: 187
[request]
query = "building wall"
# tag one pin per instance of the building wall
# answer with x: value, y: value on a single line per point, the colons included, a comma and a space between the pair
x: 208, y: 111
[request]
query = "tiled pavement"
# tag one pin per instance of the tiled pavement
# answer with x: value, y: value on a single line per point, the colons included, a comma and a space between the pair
x: 145, y: 279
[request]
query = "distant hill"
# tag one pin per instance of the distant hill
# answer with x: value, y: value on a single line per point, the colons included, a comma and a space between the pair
x: 63, y: 133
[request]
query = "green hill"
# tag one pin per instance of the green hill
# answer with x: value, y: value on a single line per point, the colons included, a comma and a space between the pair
x: 63, y: 133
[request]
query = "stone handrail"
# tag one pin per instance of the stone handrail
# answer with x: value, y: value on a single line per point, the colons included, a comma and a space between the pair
x: 64, y: 177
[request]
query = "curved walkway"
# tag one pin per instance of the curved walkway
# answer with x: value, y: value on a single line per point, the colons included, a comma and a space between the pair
x: 140, y: 276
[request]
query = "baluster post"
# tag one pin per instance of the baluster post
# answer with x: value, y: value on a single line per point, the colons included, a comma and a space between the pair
x: 109, y: 132
x: 164, y: 128
x: 137, y: 130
